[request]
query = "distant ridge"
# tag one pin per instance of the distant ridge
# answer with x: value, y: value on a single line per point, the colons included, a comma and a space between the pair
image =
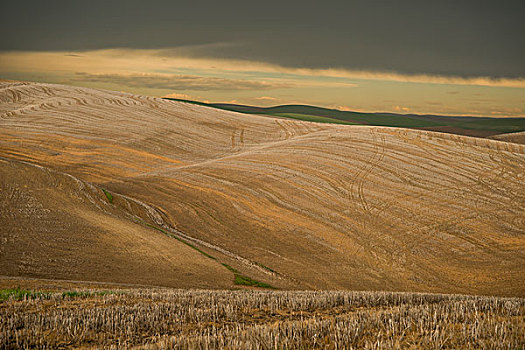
x: 461, y: 125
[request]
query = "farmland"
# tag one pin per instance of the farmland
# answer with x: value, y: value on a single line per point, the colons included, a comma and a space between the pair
x: 112, y: 187
x: 128, y: 220
x: 161, y: 318
x: 260, y: 175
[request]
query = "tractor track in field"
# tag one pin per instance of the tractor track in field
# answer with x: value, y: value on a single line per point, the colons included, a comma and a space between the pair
x: 329, y: 206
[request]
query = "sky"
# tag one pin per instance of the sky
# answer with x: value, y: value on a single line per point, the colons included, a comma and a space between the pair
x: 440, y: 57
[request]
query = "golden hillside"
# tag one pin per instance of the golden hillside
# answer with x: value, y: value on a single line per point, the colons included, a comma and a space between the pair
x: 516, y: 137
x: 293, y: 204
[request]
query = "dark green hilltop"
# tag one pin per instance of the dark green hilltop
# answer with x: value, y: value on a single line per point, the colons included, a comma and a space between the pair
x: 462, y: 125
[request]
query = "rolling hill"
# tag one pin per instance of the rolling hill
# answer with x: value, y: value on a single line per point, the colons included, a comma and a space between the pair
x: 108, y: 186
x: 462, y: 125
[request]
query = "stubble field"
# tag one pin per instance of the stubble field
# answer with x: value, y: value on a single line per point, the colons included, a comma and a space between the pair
x: 182, y: 319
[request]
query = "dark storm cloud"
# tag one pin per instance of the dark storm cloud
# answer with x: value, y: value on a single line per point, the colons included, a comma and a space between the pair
x: 459, y: 38
x: 176, y: 82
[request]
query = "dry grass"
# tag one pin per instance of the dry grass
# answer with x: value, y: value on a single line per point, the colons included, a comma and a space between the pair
x: 158, y: 319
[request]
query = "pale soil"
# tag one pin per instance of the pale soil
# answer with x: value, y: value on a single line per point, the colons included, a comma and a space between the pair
x: 324, y: 206
x: 58, y: 228
x: 516, y: 137
x: 460, y: 131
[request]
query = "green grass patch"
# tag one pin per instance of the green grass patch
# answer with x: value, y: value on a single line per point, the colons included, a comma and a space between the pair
x: 265, y: 267
x: 242, y: 280
x: 247, y: 281
x: 109, y: 196
x: 80, y: 294
x: 230, y: 268
x: 21, y: 294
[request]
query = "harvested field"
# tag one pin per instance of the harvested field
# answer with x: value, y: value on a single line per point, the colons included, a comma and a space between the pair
x: 516, y: 137
x: 292, y: 204
x: 181, y: 319
x: 57, y: 227
x: 460, y: 131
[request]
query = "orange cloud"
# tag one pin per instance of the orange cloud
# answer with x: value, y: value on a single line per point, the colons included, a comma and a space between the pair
x: 133, y: 61
x: 266, y: 98
x: 401, y: 109
x: 180, y: 96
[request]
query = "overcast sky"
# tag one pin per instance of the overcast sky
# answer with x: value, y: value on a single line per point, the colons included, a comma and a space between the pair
x: 446, y: 39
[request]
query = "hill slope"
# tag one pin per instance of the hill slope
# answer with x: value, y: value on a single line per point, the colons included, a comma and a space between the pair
x: 55, y: 226
x: 469, y: 126
x: 517, y: 137
x: 290, y: 203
